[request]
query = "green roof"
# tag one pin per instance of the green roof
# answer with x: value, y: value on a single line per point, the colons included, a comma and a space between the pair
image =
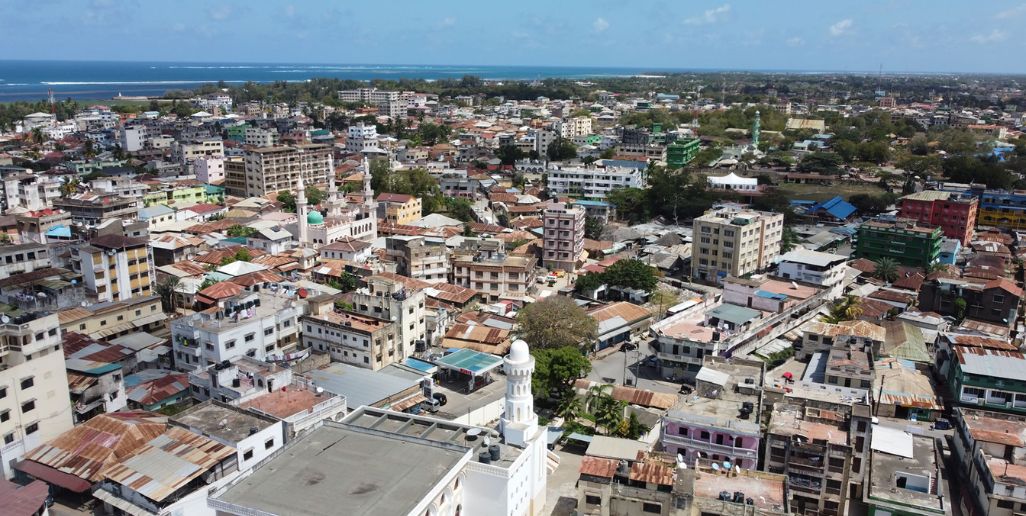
x: 734, y: 314
x: 469, y: 361
x: 905, y: 341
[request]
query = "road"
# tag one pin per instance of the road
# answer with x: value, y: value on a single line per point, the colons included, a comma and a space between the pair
x: 611, y: 369
x: 561, y: 488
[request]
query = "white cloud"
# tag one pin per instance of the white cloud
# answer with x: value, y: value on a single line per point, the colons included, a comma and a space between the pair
x: 795, y: 42
x: 600, y: 24
x: 1014, y: 12
x: 290, y: 10
x: 841, y: 28
x: 448, y: 21
x: 993, y: 36
x: 220, y: 13
x: 710, y: 16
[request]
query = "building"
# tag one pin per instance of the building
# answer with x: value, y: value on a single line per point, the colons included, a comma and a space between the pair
x: 620, y: 322
x: 302, y: 409
x: 253, y: 324
x: 483, y: 265
x: 22, y: 258
x: 682, y: 151
x: 903, y: 241
x: 352, y: 338
x: 253, y: 436
x: 989, y: 448
x: 734, y: 183
x: 730, y: 241
x: 563, y: 238
x: 954, y: 213
x: 391, y: 300
x: 1002, y: 209
x: 592, y: 183
x: 189, y: 151
x: 209, y: 169
x: 96, y: 376
x: 995, y: 301
x: 389, y: 103
x: 35, y: 404
x: 361, y: 137
x: 356, y: 251
x: 113, y: 319
x: 340, y: 219
x: 27, y: 190
x: 988, y: 378
x: 399, y: 208
x: 114, y: 267
x: 268, y: 170
x: 720, y: 420
x: 573, y: 127
x: 260, y: 137
x: 905, y: 475
x: 92, y: 209
x: 823, y: 269
x: 447, y: 468
x: 821, y: 337
x: 418, y: 257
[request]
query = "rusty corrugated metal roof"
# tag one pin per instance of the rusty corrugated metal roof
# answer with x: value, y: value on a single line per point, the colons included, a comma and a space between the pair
x: 598, y: 467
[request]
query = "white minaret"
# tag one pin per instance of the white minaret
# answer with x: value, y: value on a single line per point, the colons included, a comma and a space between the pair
x: 520, y: 423
x: 368, y: 193
x: 301, y: 210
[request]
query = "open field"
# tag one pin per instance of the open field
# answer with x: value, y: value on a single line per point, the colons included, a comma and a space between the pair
x: 814, y: 192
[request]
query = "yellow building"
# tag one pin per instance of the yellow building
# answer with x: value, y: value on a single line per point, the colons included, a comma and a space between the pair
x: 106, y: 321
x: 114, y: 267
x: 399, y: 208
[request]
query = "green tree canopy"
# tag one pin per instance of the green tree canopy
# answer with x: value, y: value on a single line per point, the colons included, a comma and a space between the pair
x: 556, y: 322
x: 632, y: 274
x: 556, y: 369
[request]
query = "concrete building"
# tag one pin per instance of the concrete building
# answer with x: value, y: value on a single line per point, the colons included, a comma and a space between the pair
x: 389, y: 103
x: 821, y: 337
x: 113, y: 319
x: 133, y: 138
x: 989, y: 448
x: 418, y: 257
x: 259, y: 137
x: 905, y: 475
x: 361, y: 137
x: 92, y: 210
x: 731, y: 241
x: 399, y: 208
x: 592, y: 183
x: 954, y: 213
x: 188, y: 151
x: 26, y: 190
x: 390, y: 300
x: 573, y: 127
x: 254, y: 437
x: 563, y: 240
x: 209, y: 169
x: 22, y: 258
x: 268, y: 170
x: 35, y: 404
x: 483, y: 265
x: 351, y: 338
x: 114, y: 268
x: 253, y: 324
x: 824, y: 269
x: 904, y: 241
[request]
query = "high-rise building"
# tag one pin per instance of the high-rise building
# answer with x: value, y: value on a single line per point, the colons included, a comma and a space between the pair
x: 274, y: 169
x: 732, y: 241
x: 418, y: 257
x: 563, y: 240
x: 114, y: 267
x: 904, y: 241
x: 681, y: 152
x: 955, y: 213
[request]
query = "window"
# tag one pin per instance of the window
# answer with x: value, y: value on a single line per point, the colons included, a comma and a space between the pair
x: 9, y: 438
x: 27, y: 382
x: 247, y: 455
x: 268, y: 444
x: 229, y: 345
x: 4, y: 416
x: 3, y: 392
x: 1005, y: 504
x: 592, y: 500
x: 249, y: 338
x: 31, y: 429
x: 653, y: 508
x: 268, y: 331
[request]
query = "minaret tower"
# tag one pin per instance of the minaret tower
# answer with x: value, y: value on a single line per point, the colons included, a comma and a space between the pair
x: 756, y: 126
x: 301, y: 210
x: 519, y: 423
x: 368, y: 192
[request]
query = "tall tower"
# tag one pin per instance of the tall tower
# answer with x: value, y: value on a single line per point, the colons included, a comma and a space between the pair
x: 755, y: 130
x: 368, y: 193
x: 520, y: 423
x: 301, y: 210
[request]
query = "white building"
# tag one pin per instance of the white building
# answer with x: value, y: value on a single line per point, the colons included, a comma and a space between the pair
x: 574, y: 127
x: 254, y: 437
x: 825, y: 269
x: 259, y: 137
x: 593, y: 183
x: 253, y: 324
x: 731, y: 241
x: 187, y: 152
x: 38, y: 120
x: 209, y: 169
x: 733, y: 182
x: 340, y: 220
x: 361, y: 137
x: 35, y: 405
x: 28, y: 191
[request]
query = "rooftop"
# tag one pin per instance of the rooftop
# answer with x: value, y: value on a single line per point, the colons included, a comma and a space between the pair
x: 723, y: 387
x: 231, y: 424
x: 992, y: 363
x: 789, y: 421
x: 765, y: 489
x: 286, y: 403
x: 908, y: 480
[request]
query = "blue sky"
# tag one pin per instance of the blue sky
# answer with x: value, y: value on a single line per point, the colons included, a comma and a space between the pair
x: 848, y: 35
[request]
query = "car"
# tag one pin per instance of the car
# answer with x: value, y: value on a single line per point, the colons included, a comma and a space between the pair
x: 431, y: 405
x: 628, y: 346
x: 942, y: 424
x: 442, y: 400
x: 652, y: 361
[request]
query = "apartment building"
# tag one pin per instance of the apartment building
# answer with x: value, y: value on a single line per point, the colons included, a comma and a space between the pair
x: 260, y: 137
x: 253, y: 324
x: 389, y: 103
x: 592, y: 183
x: 719, y: 421
x: 905, y: 478
x: 483, y: 265
x: 209, y: 169
x: 391, y: 300
x: 92, y: 209
x: 823, y: 269
x: 821, y: 337
x: 573, y: 127
x: 987, y: 378
x: 990, y: 449
x: 418, y: 257
x: 955, y: 213
x: 114, y: 267
x: 110, y: 320
x: 22, y: 258
x: 26, y: 190
x: 268, y: 170
x: 188, y: 151
x: 399, y: 208
x: 732, y: 241
x: 904, y: 241
x: 133, y: 138
x: 361, y: 137
x: 995, y: 300
x: 35, y: 404
x: 351, y: 338
x: 563, y: 238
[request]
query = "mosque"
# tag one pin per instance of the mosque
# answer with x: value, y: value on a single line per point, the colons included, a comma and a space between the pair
x: 339, y: 220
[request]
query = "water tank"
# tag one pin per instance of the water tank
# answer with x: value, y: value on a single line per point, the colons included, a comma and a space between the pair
x: 493, y: 451
x: 484, y: 458
x: 236, y: 383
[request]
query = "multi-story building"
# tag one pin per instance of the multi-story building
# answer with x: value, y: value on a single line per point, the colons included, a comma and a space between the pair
x: 254, y: 437
x: 360, y: 137
x: 391, y: 300
x: 260, y: 137
x: 35, y: 405
x: 399, y: 208
x: 731, y: 241
x: 107, y: 321
x: 22, y: 258
x: 133, y: 138
x: 92, y: 210
x: 990, y: 448
x: 955, y: 213
x: 274, y: 169
x: 903, y: 241
x: 682, y: 151
x: 563, y: 240
x: 906, y: 479
x: 209, y: 169
x: 824, y: 269
x: 44, y: 226
x: 389, y: 103
x: 573, y: 127
x: 27, y: 190
x: 988, y: 379
x: 821, y: 337
x: 720, y: 420
x: 418, y: 257
x: 995, y: 300
x: 592, y: 183
x: 483, y: 265
x: 351, y: 338
x: 114, y: 267
x: 187, y: 151
x: 254, y: 324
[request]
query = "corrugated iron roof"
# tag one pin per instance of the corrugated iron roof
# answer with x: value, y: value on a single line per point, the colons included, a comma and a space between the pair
x: 598, y: 467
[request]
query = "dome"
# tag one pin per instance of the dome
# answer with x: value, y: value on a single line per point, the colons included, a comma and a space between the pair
x: 314, y: 217
x: 518, y: 352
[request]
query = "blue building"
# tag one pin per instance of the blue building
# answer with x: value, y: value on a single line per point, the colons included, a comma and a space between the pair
x: 949, y: 250
x: 836, y: 209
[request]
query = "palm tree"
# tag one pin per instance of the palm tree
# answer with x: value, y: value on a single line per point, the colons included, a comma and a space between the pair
x: 847, y: 309
x: 569, y: 408
x: 166, y: 290
x: 610, y: 414
x: 597, y: 396
x: 886, y: 269
x: 69, y: 186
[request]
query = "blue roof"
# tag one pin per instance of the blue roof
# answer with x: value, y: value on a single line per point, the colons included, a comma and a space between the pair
x: 59, y: 231
x: 420, y: 365
x: 468, y: 360
x: 837, y: 208
x: 845, y: 230
x: 585, y: 202
x: 770, y: 295
x: 801, y: 202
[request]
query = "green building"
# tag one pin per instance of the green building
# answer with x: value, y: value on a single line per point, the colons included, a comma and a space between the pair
x: 988, y: 379
x: 681, y: 152
x: 237, y: 133
x: 905, y: 242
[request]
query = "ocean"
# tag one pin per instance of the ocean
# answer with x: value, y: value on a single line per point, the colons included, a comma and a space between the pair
x: 30, y: 80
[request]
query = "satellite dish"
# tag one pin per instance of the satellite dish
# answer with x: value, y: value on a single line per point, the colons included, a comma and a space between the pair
x: 474, y: 432
x: 319, y: 390
x: 680, y: 458
x: 5, y: 319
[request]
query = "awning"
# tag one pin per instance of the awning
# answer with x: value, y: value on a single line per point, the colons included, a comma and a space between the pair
x: 574, y: 436
x: 53, y: 476
x: 408, y: 402
x: 121, y: 503
x: 148, y: 319
x: 113, y: 330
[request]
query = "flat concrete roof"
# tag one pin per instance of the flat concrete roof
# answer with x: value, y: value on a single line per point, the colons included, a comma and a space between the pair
x: 337, y: 470
x: 229, y: 423
x: 923, y: 492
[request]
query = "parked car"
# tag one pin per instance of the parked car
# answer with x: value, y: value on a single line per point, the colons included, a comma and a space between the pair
x: 431, y: 405
x: 442, y: 400
x: 942, y: 424
x: 652, y: 361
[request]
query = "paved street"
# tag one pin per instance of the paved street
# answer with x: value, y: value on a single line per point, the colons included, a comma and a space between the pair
x: 561, y: 489
x: 611, y: 369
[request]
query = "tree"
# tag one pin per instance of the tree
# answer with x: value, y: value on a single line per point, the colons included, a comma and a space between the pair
x: 509, y: 154
x: 845, y: 309
x: 631, y: 273
x: 886, y: 269
x: 207, y: 283
x: 919, y: 145
x: 166, y: 290
x: 631, y: 204
x: 821, y: 162
x: 608, y: 411
x: 70, y: 186
x: 556, y: 369
x: 561, y: 149
x: 608, y: 153
x: 587, y: 283
x: 238, y: 230
x: 868, y: 204
x: 960, y: 305
x: 874, y: 152
x: 569, y: 408
x: 556, y: 322
x: 846, y: 149
x: 593, y: 228
x: 314, y: 196
x: 788, y: 239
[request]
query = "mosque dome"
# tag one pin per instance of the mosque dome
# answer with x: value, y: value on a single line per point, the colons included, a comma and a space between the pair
x: 314, y: 217
x: 518, y: 352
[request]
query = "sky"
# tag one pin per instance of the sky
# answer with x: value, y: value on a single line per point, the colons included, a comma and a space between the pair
x: 842, y: 35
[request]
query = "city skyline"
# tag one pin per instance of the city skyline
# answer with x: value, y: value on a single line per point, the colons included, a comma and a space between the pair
x: 895, y: 36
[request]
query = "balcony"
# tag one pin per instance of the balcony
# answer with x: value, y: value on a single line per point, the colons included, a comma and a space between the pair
x: 706, y: 446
